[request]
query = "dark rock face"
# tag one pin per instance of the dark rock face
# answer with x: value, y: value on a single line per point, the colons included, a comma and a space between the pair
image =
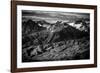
x: 53, y: 42
x: 31, y: 26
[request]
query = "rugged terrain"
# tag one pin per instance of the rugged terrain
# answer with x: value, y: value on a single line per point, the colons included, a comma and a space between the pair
x: 43, y: 41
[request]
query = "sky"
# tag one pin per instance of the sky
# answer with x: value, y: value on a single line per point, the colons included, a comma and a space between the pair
x: 52, y: 16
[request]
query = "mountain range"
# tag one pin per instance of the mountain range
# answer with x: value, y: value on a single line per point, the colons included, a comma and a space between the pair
x: 37, y: 34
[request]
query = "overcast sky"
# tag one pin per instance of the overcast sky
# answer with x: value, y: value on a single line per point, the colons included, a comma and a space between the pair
x: 52, y: 16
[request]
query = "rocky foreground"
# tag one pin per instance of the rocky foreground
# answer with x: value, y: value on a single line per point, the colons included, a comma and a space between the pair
x: 64, y: 50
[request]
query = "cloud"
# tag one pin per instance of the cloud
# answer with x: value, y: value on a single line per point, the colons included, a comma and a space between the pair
x: 51, y: 15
